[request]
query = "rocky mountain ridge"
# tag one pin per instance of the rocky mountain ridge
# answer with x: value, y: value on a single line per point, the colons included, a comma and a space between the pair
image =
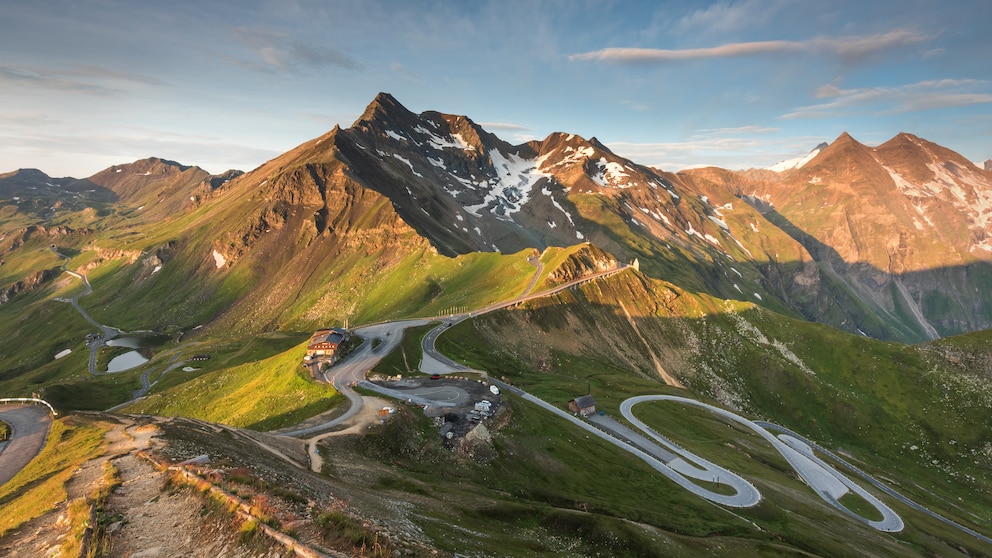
x: 891, y: 241
x: 904, y: 225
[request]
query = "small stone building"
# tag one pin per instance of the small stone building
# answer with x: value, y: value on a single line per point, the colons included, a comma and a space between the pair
x: 584, y: 405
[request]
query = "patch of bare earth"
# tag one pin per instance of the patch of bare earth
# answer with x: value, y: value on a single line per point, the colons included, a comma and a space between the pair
x: 44, y: 535
x: 148, y: 516
x: 164, y: 523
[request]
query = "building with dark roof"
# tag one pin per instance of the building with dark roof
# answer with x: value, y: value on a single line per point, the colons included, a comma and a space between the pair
x: 584, y: 405
x: 326, y: 342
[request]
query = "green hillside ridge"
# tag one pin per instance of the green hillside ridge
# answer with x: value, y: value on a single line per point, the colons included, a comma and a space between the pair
x: 547, y: 478
x: 234, y: 395
x: 902, y: 412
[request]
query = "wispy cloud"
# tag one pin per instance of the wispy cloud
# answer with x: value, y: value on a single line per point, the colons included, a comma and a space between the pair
x: 67, y: 155
x: 752, y: 129
x: 80, y: 79
x: 848, y: 49
x: 25, y: 118
x: 89, y: 71
x: 505, y: 126
x: 20, y: 76
x: 275, y: 52
x: 722, y: 17
x: 635, y: 105
x: 740, y: 147
x: 924, y: 95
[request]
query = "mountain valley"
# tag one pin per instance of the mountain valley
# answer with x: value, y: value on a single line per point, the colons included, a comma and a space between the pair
x: 846, y: 296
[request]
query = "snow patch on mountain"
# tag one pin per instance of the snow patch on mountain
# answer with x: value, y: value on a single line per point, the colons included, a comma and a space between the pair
x: 611, y: 174
x: 974, y: 201
x: 219, y: 259
x: 408, y: 163
x: 547, y: 192
x: 721, y: 222
x: 440, y: 143
x: 573, y: 155
x: 511, y: 187
x: 798, y: 162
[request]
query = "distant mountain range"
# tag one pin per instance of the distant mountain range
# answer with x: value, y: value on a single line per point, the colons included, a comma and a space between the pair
x: 891, y: 242
x: 406, y: 215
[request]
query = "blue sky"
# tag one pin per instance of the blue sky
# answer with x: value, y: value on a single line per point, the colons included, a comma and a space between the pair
x: 85, y: 84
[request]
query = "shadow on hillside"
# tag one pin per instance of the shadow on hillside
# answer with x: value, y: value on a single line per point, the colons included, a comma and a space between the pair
x: 951, y: 300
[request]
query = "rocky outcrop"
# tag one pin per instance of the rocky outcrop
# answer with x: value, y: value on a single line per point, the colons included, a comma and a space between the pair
x: 29, y: 283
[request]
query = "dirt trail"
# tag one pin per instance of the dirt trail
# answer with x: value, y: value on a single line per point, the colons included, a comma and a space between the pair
x: 145, y: 520
x: 156, y: 522
x: 368, y: 416
x: 44, y: 535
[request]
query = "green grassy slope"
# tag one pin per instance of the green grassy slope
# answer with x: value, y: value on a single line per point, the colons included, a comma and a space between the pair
x: 263, y: 395
x: 904, y: 413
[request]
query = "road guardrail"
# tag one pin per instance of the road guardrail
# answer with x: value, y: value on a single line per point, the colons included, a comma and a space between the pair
x: 33, y: 400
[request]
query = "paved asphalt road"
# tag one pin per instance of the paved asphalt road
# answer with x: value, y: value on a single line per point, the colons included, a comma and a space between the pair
x: 820, y: 476
x: 434, y: 362
x: 355, y: 366
x: 746, y: 495
x: 877, y: 484
x: 30, y: 424
x: 352, y: 370
x: 107, y: 332
x: 826, y: 481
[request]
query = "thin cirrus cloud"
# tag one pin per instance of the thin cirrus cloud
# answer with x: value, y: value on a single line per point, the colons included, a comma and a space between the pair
x: 505, y: 126
x: 21, y: 76
x: 275, y: 52
x: 722, y: 17
x: 849, y: 49
x: 924, y: 95
x: 81, y: 79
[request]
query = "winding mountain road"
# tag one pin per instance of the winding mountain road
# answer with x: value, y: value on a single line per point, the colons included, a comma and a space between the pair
x: 745, y: 494
x: 380, y: 340
x: 660, y: 453
x: 826, y: 481
x: 384, y: 337
x: 106, y: 332
x: 30, y: 424
x: 874, y: 482
x: 433, y: 362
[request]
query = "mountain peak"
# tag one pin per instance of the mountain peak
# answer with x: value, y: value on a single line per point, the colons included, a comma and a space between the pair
x: 904, y: 139
x: 843, y: 138
x: 30, y: 174
x: 384, y: 106
x: 845, y: 142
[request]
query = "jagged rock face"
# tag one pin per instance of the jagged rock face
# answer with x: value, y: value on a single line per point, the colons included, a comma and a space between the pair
x: 29, y: 283
x: 467, y: 190
x: 906, y: 225
x: 891, y: 241
x: 850, y: 228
